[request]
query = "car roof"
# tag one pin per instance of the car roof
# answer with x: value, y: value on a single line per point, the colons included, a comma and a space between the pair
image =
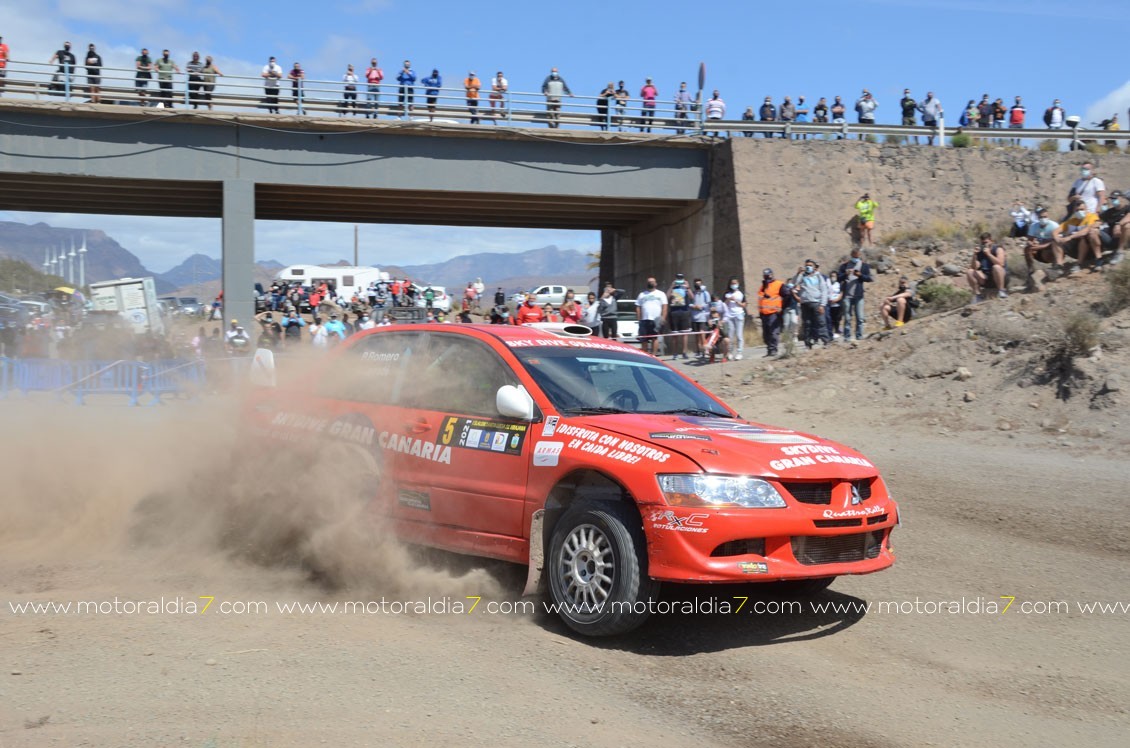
x: 509, y: 335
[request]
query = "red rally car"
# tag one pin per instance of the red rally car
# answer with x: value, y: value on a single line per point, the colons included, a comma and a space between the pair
x: 603, y: 469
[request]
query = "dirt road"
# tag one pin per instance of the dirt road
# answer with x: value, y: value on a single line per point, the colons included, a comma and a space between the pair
x: 987, y: 518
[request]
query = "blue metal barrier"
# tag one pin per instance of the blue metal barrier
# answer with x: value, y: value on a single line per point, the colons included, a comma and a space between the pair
x: 172, y: 378
x: 83, y: 378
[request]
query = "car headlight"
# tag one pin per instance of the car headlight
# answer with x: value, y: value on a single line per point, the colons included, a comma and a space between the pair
x: 719, y: 490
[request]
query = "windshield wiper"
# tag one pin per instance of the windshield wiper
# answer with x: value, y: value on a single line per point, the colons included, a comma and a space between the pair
x: 690, y: 412
x: 592, y: 410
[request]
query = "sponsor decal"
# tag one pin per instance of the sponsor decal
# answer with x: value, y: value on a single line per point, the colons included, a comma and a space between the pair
x: 414, y: 447
x: 414, y: 499
x: 866, y: 511
x: 547, y: 454
x: 803, y: 455
x: 610, y: 446
x: 679, y: 437
x: 753, y: 567
x: 738, y: 430
x: 355, y: 428
x: 668, y: 520
x: 574, y: 343
x: 382, y: 358
x: 550, y: 425
x: 482, y: 434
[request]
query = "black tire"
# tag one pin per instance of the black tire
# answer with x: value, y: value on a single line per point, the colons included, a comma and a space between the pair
x: 597, y: 569
x: 802, y: 587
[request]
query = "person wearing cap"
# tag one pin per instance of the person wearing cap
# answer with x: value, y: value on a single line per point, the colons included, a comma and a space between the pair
x: 432, y: 84
x: 498, y: 88
x: 604, y: 100
x: 335, y: 327
x: 1116, y: 219
x: 471, y: 85
x: 769, y: 308
x: 700, y: 313
x: 1039, y: 246
x: 679, y: 316
x: 649, y: 93
x: 865, y: 107
x: 1078, y: 236
x: 683, y: 102
x: 865, y: 211
x: 812, y: 292
x: 553, y: 88
x: 235, y: 338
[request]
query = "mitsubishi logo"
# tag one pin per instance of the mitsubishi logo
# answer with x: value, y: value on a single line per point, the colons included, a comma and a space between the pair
x: 856, y: 499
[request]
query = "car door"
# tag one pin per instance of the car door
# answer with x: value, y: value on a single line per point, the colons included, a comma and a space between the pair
x: 467, y: 465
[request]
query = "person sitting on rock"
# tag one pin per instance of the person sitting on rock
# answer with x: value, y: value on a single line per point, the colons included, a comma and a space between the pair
x: 987, y: 267
x: 898, y: 307
x: 1078, y: 236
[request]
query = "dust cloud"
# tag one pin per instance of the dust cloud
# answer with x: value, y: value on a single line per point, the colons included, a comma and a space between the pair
x: 179, y: 490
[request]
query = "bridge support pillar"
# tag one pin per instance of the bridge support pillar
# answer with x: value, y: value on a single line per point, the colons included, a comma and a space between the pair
x: 239, y: 252
x: 678, y: 242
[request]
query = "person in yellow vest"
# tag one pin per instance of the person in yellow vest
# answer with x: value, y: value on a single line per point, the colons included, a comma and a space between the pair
x: 865, y: 209
x: 769, y: 306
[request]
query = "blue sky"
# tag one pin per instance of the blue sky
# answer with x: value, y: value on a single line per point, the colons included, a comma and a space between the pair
x: 1039, y: 49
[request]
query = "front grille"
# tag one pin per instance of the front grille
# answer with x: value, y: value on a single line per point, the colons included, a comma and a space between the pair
x: 864, y: 488
x: 837, y: 522
x: 813, y: 550
x: 876, y: 519
x: 742, y: 547
x: 810, y: 493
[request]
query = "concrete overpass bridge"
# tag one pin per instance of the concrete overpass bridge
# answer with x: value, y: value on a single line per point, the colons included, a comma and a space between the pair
x: 650, y: 198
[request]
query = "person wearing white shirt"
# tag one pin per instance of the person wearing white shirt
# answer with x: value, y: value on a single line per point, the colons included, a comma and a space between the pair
x: 1090, y: 188
x: 735, y: 317
x: 651, y: 311
x: 272, y: 74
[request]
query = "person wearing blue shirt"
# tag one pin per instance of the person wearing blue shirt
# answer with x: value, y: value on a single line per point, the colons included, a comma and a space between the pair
x: 406, y: 78
x: 432, y: 84
x: 335, y: 327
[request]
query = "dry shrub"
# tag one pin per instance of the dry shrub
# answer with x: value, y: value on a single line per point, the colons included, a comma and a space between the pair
x: 1118, y: 294
x: 1080, y: 335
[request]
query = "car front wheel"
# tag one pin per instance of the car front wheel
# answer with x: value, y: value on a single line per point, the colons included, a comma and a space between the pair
x: 597, y: 568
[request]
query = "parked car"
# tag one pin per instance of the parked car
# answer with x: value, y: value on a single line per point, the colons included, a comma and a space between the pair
x: 190, y: 306
x: 602, y: 468
x: 550, y: 294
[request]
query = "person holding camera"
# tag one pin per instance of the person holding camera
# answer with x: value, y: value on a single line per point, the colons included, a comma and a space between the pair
x: 987, y: 265
x: 679, y: 315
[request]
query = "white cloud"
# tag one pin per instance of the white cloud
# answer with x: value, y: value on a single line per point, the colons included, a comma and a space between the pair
x: 1115, y: 102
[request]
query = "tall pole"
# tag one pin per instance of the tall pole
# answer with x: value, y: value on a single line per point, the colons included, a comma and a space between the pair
x: 355, y: 245
x: 71, y: 263
x: 82, y: 263
x: 46, y: 259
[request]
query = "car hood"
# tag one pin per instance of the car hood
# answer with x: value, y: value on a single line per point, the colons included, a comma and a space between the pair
x: 737, y: 447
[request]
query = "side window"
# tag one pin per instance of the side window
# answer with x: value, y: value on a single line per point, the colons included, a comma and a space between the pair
x: 374, y: 370
x: 458, y: 375
x: 542, y: 290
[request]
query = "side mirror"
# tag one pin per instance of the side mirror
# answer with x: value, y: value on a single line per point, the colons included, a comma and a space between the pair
x: 514, y: 402
x: 262, y: 372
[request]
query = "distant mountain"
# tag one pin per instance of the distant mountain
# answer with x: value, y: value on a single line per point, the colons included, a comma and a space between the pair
x: 517, y: 271
x: 200, y: 268
x: 105, y: 258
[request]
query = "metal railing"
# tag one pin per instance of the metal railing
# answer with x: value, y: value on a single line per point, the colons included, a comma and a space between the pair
x: 451, y: 105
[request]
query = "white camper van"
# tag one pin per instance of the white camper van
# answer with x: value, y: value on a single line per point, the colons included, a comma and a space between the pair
x: 348, y: 280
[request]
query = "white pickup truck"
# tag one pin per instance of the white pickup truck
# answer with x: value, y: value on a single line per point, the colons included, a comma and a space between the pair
x: 552, y: 294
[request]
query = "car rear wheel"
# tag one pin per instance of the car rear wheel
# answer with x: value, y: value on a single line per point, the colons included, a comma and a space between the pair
x: 597, y: 568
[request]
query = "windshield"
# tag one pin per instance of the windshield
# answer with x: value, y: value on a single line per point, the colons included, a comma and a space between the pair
x: 593, y: 382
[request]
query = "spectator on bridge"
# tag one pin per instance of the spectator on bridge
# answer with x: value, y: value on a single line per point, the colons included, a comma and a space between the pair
x: 554, y: 87
x: 296, y: 76
x: 143, y: 64
x: 1054, y: 118
x: 349, y: 91
x: 93, y: 63
x: 865, y: 107
x: 603, y: 102
x: 767, y: 113
x: 932, y: 112
x: 165, y: 68
x: 1016, y: 117
x: 373, y: 77
x: 985, y: 112
x: 209, y: 73
x: 64, y: 76
x: 748, y: 116
x: 820, y: 111
x: 970, y: 115
x: 622, y: 98
x: 4, y: 54
x: 272, y: 74
x: 839, y: 114
x: 787, y: 112
x: 1000, y: 113
x: 194, y: 69
x: 683, y: 102
x: 471, y: 85
x: 715, y: 110
x: 649, y: 93
x: 407, y: 92
x: 498, y: 88
x: 432, y: 84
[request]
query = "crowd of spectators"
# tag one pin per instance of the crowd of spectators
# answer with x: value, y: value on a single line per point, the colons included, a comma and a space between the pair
x: 360, y: 95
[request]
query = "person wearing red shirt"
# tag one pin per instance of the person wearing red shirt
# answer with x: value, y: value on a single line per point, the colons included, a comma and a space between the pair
x: 3, y: 62
x: 528, y: 311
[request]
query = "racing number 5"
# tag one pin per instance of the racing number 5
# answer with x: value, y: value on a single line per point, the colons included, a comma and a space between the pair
x: 449, y: 429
